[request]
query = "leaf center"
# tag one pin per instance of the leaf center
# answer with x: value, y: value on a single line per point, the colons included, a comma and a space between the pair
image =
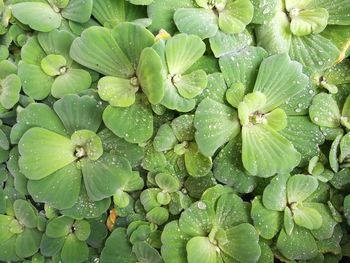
x: 134, y: 82
x: 294, y: 13
x: 87, y: 144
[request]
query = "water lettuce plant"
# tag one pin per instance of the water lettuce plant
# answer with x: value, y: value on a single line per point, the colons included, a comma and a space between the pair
x: 162, y: 131
x: 46, y: 67
x: 71, y: 143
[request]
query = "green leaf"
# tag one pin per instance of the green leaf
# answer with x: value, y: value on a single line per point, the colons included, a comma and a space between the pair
x: 36, y: 114
x: 242, y: 67
x: 34, y: 13
x: 267, y: 222
x: 85, y: 208
x: 74, y: 250
x: 275, y: 193
x: 55, y: 42
x: 98, y: 50
x: 59, y: 227
x: 167, y: 182
x: 235, y: 94
x: 329, y: 223
x: 32, y: 52
x: 276, y: 119
x: 230, y: 211
x: 7, y: 67
x: 112, y: 143
x: 228, y: 168
x: 51, y: 246
x: 43, y: 152
x: 165, y: 139
x: 28, y: 242
x: 208, y: 250
x: 263, y: 11
x: 216, y: 88
x: 279, y: 78
x: 300, y: 245
x: 338, y: 11
x: 105, y: 176
x: 265, y: 152
x: 128, y: 122
x: 223, y: 44
x: 150, y: 76
x: 25, y: 213
x: 8, y: 250
x: 174, y: 101
x: 158, y: 215
x: 191, y: 21
x: 216, y: 124
x: 145, y: 253
x: 324, y: 111
x: 52, y: 64
x: 305, y: 136
x: 235, y: 16
x: 300, y: 187
x: 79, y: 113
x: 333, y: 153
x: 5, y: 233
x: 197, y: 220
x: 183, y: 128
x: 132, y: 40
x: 78, y: 10
x: 174, y: 243
x: 275, y: 36
x: 192, y: 84
x: 118, y: 248
x: 11, y: 87
x: 148, y: 198
x: 60, y: 189
x: 36, y: 83
x: 197, y: 164
x: 117, y: 91
x: 307, y: 217
x: 162, y: 11
x: 314, y: 52
x: 309, y: 21
x: 182, y: 51
x: 72, y: 81
x: 82, y: 229
x: 344, y: 147
x: 243, y: 243
x: 87, y: 144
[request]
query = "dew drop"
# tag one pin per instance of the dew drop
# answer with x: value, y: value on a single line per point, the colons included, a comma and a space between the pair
x: 201, y: 205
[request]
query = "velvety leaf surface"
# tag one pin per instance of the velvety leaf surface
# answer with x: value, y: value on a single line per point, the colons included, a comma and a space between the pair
x: 216, y: 124
x: 34, y: 13
x: 265, y: 152
x: 98, y: 50
x: 105, y: 176
x: 127, y: 122
x: 279, y: 78
x: 60, y: 189
x: 79, y: 113
x: 191, y: 21
x: 43, y: 152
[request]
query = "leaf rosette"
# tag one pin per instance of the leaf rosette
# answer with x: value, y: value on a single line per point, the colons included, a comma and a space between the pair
x: 63, y: 156
x: 46, y: 67
x: 259, y: 93
x: 47, y: 15
x: 208, y: 225
x: 289, y: 206
x: 124, y: 55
